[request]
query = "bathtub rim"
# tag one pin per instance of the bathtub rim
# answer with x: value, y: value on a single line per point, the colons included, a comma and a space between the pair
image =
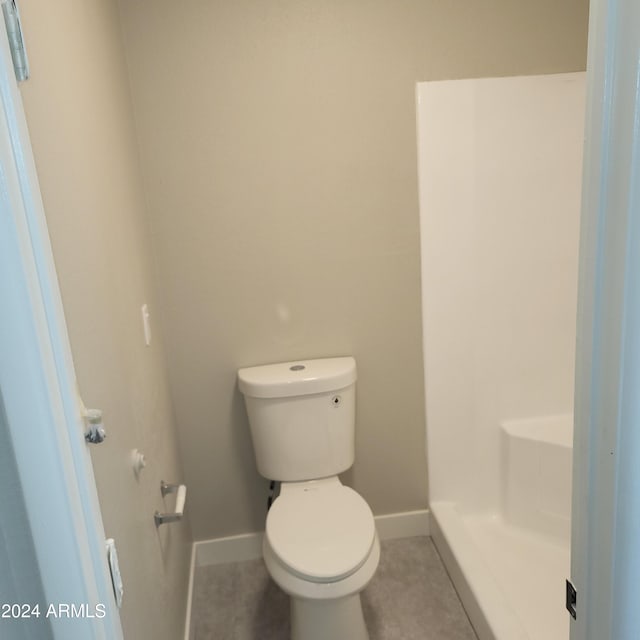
x: 486, y: 606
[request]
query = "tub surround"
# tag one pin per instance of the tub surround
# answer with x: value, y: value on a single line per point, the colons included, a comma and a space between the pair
x: 500, y: 182
x: 537, y: 459
x: 511, y: 581
x: 510, y: 566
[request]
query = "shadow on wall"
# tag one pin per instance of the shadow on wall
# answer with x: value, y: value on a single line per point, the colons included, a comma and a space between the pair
x: 256, y: 488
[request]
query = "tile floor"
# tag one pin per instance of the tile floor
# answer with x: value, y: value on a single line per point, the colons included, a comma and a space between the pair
x: 409, y: 598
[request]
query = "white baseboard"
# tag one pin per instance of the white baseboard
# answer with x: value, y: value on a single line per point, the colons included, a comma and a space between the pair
x: 248, y: 546
x: 192, y: 570
x: 403, y: 525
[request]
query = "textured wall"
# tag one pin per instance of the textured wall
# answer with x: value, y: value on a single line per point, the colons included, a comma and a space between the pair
x: 80, y: 119
x: 278, y: 146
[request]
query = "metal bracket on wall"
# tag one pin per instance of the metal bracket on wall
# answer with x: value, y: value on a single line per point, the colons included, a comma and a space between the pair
x: 181, y: 490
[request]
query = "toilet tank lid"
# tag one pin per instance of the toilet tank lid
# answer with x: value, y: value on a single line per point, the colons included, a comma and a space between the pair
x: 297, y: 378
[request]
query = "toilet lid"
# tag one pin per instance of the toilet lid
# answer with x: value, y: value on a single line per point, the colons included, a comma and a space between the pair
x: 321, y: 533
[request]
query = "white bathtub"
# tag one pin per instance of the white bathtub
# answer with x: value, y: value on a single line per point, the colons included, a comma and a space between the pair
x: 509, y: 566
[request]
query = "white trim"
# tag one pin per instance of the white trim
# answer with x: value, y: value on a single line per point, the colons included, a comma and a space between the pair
x: 248, y: 546
x: 192, y: 571
x: 605, y: 563
x: 483, y: 599
x: 406, y: 524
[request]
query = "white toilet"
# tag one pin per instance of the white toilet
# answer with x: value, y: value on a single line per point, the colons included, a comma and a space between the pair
x: 320, y: 543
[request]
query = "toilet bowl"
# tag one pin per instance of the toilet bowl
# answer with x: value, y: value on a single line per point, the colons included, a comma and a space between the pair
x: 321, y: 548
x: 320, y: 544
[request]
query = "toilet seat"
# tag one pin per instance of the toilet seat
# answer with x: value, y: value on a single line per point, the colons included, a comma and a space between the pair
x: 321, y: 531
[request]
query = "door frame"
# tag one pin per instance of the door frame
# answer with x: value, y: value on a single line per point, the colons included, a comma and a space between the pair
x: 39, y: 390
x: 605, y: 562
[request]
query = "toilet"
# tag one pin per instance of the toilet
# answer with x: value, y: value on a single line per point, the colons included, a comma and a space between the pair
x: 320, y: 544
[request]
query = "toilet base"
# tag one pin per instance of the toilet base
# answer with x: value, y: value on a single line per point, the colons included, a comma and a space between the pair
x: 339, y: 619
x: 324, y: 610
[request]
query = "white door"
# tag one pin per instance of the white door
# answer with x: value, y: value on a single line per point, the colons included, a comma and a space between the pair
x: 52, y: 547
x: 605, y: 563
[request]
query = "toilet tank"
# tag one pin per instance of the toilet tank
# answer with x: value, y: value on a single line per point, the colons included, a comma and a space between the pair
x: 302, y: 417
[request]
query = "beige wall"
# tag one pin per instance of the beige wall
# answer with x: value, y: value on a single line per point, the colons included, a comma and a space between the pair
x: 279, y: 152
x: 79, y: 115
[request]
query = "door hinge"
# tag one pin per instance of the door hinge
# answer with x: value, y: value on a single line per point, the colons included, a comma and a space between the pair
x: 570, y: 601
x: 16, y: 41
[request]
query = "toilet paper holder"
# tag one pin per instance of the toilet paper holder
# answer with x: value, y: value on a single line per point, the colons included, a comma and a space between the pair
x: 181, y: 491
